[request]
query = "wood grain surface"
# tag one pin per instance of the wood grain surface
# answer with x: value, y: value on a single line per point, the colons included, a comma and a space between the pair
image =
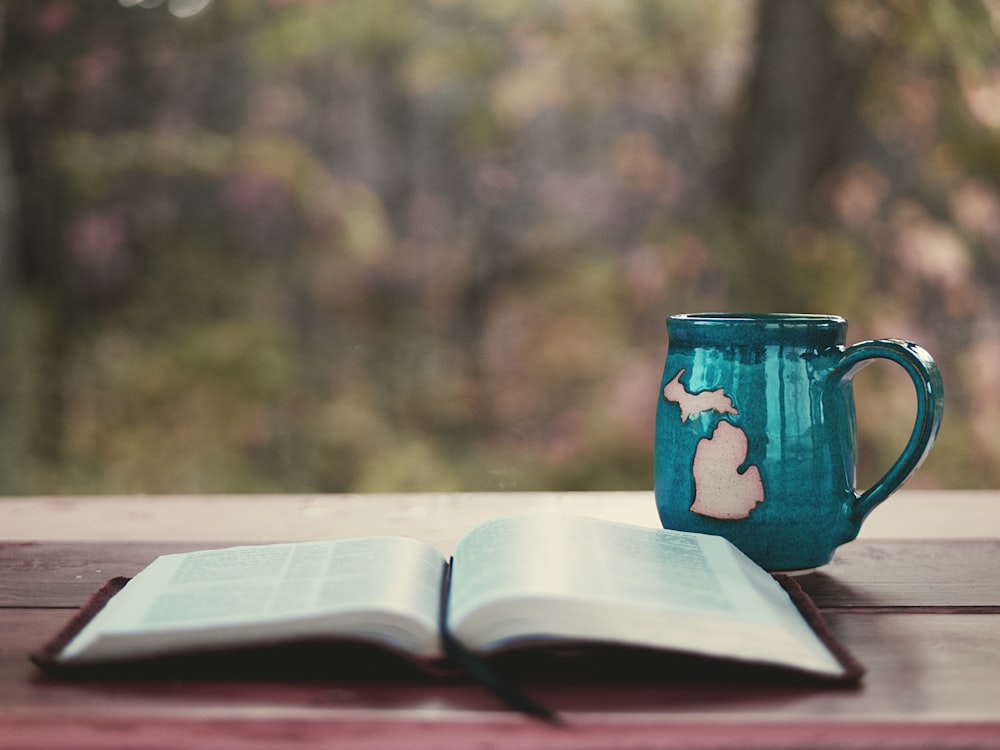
x: 923, y: 615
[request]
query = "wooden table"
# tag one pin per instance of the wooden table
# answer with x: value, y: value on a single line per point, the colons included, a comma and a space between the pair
x: 917, y: 599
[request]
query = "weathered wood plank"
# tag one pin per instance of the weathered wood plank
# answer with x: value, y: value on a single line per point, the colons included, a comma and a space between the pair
x: 263, y: 732
x: 439, y: 518
x: 935, y: 672
x: 909, y: 573
x: 865, y: 573
x: 65, y: 574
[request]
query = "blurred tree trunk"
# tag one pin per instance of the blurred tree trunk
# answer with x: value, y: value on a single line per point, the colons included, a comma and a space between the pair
x: 6, y: 283
x: 800, y: 118
x: 36, y: 255
x: 43, y: 95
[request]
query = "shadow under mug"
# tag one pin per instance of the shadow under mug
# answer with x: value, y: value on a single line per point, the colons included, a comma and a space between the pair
x: 756, y: 432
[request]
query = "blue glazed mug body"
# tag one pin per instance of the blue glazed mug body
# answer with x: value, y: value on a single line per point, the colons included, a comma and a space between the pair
x: 756, y: 434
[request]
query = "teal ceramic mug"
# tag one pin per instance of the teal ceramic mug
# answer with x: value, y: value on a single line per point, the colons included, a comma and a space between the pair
x: 756, y: 434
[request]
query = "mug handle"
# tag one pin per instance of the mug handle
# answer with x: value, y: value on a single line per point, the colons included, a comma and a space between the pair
x: 926, y: 377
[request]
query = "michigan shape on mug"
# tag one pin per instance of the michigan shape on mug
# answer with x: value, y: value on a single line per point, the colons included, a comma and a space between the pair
x: 722, y: 490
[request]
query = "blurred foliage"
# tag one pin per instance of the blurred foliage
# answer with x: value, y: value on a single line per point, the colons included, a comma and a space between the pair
x: 376, y: 245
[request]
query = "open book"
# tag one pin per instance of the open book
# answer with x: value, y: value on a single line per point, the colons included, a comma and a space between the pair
x: 532, y: 580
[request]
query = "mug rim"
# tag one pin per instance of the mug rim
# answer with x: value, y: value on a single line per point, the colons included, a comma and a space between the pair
x: 757, y: 318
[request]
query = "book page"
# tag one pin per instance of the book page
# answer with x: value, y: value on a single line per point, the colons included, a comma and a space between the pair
x: 553, y: 576
x: 382, y: 589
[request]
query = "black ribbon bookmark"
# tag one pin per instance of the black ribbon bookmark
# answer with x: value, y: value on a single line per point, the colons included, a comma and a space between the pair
x: 475, y: 667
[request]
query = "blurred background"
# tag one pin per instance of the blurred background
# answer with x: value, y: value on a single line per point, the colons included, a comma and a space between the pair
x: 404, y: 245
